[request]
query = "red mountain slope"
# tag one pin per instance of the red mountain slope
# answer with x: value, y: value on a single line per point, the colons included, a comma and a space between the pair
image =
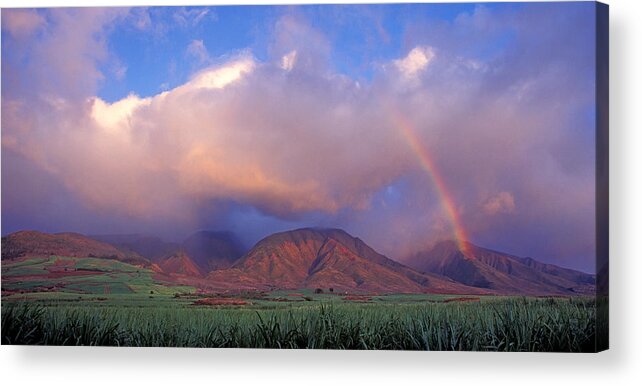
x: 311, y: 258
x: 180, y: 264
x: 33, y: 243
x: 501, y: 272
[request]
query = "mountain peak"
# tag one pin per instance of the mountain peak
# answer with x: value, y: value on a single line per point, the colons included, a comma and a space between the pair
x: 501, y: 272
x: 180, y: 263
x: 327, y: 257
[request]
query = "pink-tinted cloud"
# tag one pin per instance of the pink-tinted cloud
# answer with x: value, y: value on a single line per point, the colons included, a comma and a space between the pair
x: 22, y: 23
x: 503, y: 202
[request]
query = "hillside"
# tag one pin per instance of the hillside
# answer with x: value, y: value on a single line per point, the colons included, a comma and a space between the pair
x: 213, y: 250
x: 501, y: 272
x: 309, y: 258
x: 38, y: 244
x: 180, y: 264
x: 209, y: 250
x: 151, y: 247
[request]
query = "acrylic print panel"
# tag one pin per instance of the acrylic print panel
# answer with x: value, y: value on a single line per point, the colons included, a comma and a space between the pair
x: 391, y: 176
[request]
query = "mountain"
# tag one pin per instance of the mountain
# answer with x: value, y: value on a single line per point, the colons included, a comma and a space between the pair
x: 151, y: 247
x: 180, y: 264
x: 324, y: 258
x: 209, y: 250
x: 35, y: 244
x: 314, y: 258
x: 500, y: 272
x: 213, y: 250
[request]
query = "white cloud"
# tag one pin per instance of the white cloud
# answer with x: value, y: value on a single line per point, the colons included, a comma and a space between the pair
x: 288, y: 61
x: 415, y: 62
x: 115, y: 117
x: 220, y: 76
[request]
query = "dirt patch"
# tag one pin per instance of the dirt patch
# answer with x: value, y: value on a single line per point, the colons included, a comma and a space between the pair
x: 221, y: 302
x: 461, y: 300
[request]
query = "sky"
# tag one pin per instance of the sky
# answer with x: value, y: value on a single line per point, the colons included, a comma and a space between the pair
x: 403, y: 124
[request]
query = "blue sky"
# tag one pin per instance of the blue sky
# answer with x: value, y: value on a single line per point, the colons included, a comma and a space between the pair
x: 361, y: 37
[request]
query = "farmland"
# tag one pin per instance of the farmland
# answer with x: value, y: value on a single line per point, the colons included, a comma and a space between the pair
x: 67, y: 301
x: 68, y: 276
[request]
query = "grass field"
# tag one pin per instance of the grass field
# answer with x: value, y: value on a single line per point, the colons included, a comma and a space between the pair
x: 115, y: 304
x: 513, y: 324
x: 81, y: 276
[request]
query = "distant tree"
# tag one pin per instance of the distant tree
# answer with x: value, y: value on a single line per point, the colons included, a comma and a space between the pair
x: 151, y: 292
x: 318, y: 291
x: 331, y: 289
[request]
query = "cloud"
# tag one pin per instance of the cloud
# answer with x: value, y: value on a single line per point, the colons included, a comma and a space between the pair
x: 63, y: 59
x: 503, y: 202
x: 141, y: 18
x: 415, y: 62
x: 191, y: 17
x: 198, y: 50
x: 294, y: 33
x: 220, y: 76
x: 288, y: 61
x: 291, y: 137
x: 21, y: 23
x: 117, y: 116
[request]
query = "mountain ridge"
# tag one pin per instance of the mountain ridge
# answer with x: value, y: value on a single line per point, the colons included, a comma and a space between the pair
x: 35, y: 243
x: 305, y: 257
x: 318, y: 258
x: 500, y: 272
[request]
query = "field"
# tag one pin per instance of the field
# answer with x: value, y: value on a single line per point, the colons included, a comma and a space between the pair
x: 120, y: 305
x: 82, y: 276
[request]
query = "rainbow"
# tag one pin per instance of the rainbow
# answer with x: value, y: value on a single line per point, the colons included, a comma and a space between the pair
x: 427, y: 163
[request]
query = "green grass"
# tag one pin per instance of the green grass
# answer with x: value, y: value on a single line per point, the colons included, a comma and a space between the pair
x: 117, y: 304
x: 103, y: 276
x: 509, y: 324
